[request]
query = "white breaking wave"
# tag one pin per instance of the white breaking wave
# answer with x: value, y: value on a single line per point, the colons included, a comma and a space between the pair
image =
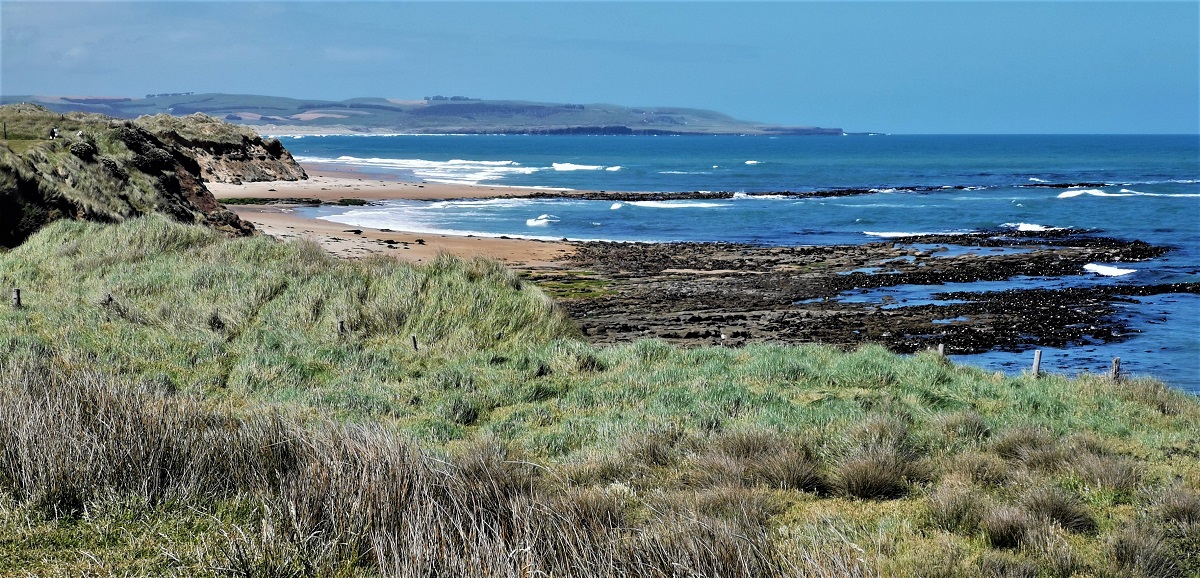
x: 613, y: 169
x: 676, y: 204
x: 1123, y: 193
x: 499, y: 202
x: 1029, y: 227
x: 753, y: 162
x: 897, y: 234
x: 616, y: 206
x: 1037, y: 180
x: 1106, y: 270
x: 455, y: 171
x: 575, y: 167
x: 756, y: 197
x: 1092, y: 192
x: 893, y: 234
x: 541, y: 221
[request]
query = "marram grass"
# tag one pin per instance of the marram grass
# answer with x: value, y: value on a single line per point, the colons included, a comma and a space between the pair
x: 175, y: 402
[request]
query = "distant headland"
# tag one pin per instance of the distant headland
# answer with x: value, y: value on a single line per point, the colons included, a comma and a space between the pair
x: 429, y: 115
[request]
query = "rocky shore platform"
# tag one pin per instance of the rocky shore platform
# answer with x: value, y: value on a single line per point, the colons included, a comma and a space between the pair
x: 1026, y: 290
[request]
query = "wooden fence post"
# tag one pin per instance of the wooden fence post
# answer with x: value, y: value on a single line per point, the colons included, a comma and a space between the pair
x: 1115, y: 374
x: 414, y: 338
x: 341, y: 327
x: 16, y: 298
x: 1037, y: 363
x: 942, y: 349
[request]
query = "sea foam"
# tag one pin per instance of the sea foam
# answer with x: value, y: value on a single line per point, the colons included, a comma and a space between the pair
x: 677, y: 204
x: 1122, y: 193
x: 1107, y: 271
x: 1029, y: 227
x: 575, y: 167
x: 455, y: 171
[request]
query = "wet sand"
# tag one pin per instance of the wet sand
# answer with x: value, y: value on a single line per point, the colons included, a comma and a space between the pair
x: 281, y: 219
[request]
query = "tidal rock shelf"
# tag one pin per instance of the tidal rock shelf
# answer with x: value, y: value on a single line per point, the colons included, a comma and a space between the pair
x: 1035, y: 292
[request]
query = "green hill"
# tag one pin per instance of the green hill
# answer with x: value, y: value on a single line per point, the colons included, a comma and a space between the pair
x: 435, y: 114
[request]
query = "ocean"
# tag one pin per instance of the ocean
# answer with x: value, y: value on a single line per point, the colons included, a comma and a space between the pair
x: 1128, y: 187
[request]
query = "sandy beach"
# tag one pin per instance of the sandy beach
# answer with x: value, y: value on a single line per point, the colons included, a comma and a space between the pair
x: 282, y: 221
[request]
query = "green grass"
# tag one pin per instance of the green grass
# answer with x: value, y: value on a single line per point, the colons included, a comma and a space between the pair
x: 21, y: 146
x: 572, y: 285
x: 855, y: 463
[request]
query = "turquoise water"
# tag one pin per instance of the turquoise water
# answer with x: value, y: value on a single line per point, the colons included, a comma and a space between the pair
x: 1132, y: 187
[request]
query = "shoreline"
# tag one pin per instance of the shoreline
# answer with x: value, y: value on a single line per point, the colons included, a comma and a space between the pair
x: 327, y: 185
x: 697, y: 294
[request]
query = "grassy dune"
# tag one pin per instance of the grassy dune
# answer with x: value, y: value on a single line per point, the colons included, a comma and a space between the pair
x: 175, y: 402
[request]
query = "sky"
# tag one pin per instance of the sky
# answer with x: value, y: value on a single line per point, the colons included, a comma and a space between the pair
x: 894, y: 66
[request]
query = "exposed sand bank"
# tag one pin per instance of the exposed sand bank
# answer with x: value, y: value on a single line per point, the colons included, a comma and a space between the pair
x: 282, y: 220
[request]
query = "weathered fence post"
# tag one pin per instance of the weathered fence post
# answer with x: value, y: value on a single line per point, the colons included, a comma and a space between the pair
x: 341, y: 327
x: 942, y: 350
x: 1115, y: 374
x: 1037, y: 363
x: 16, y: 298
x: 414, y: 338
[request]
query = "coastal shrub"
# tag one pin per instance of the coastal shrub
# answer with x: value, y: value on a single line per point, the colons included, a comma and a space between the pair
x: 71, y: 438
x: 1005, y: 564
x: 742, y: 507
x: 876, y: 473
x: 956, y: 508
x: 887, y: 431
x: 1005, y: 526
x: 963, y: 427
x: 1117, y: 473
x: 1178, y: 506
x: 757, y: 458
x: 1156, y: 395
x: 596, y: 510
x: 1056, y: 505
x: 744, y: 444
x: 460, y: 409
x: 1050, y: 546
x: 791, y: 468
x: 1143, y: 552
x: 1022, y: 442
x: 653, y: 446
x: 982, y: 468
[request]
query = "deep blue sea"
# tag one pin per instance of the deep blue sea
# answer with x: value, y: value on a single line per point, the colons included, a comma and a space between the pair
x: 1144, y: 187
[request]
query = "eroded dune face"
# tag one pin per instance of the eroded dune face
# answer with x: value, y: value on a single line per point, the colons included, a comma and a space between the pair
x: 224, y: 152
x: 104, y: 169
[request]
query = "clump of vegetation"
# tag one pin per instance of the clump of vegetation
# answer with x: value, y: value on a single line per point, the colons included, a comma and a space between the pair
x: 173, y: 401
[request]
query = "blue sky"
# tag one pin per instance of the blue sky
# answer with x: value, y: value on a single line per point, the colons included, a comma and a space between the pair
x: 898, y: 67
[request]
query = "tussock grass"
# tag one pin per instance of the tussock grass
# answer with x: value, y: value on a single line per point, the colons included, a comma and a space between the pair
x: 1144, y: 553
x: 1006, y: 526
x: 162, y: 365
x: 1056, y: 506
